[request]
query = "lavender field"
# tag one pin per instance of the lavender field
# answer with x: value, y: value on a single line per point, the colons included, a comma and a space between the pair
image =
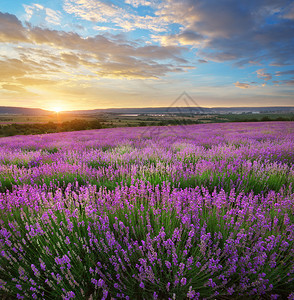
x: 133, y: 213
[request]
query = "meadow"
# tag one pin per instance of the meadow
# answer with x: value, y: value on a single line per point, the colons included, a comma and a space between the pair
x: 173, y: 212
x: 11, y: 125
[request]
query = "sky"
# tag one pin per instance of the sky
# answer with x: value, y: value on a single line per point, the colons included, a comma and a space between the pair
x: 87, y: 54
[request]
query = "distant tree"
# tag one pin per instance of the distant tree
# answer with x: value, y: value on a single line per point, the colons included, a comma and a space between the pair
x: 266, y: 118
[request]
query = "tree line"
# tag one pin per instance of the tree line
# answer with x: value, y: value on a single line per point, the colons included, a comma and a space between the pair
x: 50, y: 127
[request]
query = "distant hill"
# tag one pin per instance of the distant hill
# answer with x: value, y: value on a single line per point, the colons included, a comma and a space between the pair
x: 9, y: 110
x: 201, y: 110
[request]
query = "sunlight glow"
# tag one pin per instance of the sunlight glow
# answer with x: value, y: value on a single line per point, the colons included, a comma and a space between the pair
x: 57, y: 109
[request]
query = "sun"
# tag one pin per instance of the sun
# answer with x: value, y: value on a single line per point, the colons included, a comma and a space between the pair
x: 57, y: 109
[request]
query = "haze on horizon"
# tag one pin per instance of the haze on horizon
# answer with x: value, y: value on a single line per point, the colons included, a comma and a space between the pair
x: 88, y: 54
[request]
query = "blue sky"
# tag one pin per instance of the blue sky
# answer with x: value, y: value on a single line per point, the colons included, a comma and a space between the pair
x: 83, y: 54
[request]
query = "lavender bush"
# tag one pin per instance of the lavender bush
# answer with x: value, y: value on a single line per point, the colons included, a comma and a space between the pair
x: 117, y: 213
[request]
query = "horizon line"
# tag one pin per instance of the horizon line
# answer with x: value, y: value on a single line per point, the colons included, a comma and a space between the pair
x: 146, y: 107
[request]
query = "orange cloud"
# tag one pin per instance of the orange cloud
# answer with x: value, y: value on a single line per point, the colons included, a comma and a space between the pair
x: 113, y: 56
x: 242, y: 85
x: 263, y: 75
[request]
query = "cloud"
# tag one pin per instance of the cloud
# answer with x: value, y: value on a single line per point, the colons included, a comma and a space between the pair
x: 42, y: 13
x: 12, y: 68
x: 289, y: 12
x: 137, y: 3
x: 11, y: 29
x: 104, y: 11
x: 107, y: 56
x: 13, y: 88
x: 17, y: 75
x: 242, y: 85
x: 53, y: 16
x: 105, y: 28
x: 239, y: 31
x: 49, y: 62
x: 263, y: 75
x: 91, y: 10
x: 187, y: 37
x: 132, y: 22
x: 218, y: 57
x: 31, y: 81
x: 289, y: 82
x: 282, y: 73
x: 29, y: 9
x: 103, y: 48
